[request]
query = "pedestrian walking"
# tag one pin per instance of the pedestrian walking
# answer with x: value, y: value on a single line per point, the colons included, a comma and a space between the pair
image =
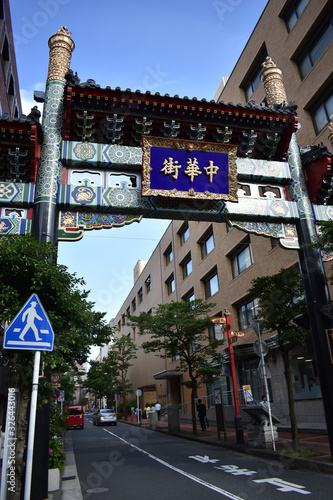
x: 201, y: 409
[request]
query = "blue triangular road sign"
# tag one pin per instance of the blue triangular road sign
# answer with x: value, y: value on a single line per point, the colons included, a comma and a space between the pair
x: 31, y: 329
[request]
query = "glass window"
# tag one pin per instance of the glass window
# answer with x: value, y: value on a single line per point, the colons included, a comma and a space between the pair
x: 186, y: 267
x: 241, y: 261
x: 140, y: 295
x: 216, y: 332
x: 189, y: 296
x: 184, y: 233
x: 246, y: 312
x: 168, y: 255
x: 170, y: 284
x: 123, y: 319
x: 305, y: 377
x: 294, y: 13
x: 148, y: 284
x: 211, y: 285
x: 316, y: 49
x: 274, y: 242
x: 323, y: 114
x: 134, y: 304
x: 254, y: 80
x: 207, y: 245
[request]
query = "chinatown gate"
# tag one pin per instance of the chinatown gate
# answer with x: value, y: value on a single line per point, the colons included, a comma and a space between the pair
x: 104, y: 158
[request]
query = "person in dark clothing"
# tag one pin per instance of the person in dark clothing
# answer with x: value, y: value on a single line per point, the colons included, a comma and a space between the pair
x: 201, y: 409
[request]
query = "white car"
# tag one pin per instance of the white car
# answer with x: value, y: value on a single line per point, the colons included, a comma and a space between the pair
x: 105, y: 416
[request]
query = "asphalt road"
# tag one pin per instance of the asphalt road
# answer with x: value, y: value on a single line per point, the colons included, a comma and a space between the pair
x: 125, y: 462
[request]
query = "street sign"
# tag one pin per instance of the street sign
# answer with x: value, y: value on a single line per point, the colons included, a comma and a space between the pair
x: 55, y: 394
x: 55, y: 377
x: 31, y: 329
x: 218, y: 320
x: 256, y: 347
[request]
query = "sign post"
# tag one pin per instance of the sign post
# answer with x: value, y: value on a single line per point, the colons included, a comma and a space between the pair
x: 24, y: 334
x: 138, y: 393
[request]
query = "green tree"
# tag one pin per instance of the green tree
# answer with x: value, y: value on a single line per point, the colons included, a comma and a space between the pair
x: 179, y: 328
x: 101, y: 380
x: 109, y: 376
x: 28, y: 267
x: 324, y: 240
x: 281, y: 299
x: 121, y: 355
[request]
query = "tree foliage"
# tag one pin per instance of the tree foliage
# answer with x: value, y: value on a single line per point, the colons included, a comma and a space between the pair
x: 109, y: 376
x: 324, y: 239
x: 179, y: 329
x: 28, y: 267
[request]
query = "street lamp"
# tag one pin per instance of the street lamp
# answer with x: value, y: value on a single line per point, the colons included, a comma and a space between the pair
x: 238, y: 418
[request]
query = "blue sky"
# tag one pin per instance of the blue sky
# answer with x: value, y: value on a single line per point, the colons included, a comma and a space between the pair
x: 179, y: 47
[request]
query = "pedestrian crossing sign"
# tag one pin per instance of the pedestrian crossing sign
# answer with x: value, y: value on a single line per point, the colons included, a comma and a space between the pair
x: 31, y: 329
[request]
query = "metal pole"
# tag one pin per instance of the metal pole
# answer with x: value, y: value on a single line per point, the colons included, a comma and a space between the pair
x: 266, y: 385
x: 238, y: 418
x: 32, y: 425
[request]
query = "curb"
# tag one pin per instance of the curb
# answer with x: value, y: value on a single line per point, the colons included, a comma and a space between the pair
x: 70, y: 485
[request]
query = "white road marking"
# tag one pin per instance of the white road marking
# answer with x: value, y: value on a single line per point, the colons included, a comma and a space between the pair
x: 179, y: 471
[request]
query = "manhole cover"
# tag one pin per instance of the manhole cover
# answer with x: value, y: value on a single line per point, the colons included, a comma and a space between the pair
x: 97, y: 490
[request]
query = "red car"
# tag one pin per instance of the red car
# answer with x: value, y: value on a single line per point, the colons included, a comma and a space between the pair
x: 75, y: 417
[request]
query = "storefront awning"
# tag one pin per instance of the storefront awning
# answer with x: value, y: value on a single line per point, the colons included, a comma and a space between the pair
x: 167, y: 374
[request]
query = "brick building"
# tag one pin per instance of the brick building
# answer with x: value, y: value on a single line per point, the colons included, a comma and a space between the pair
x: 10, y: 101
x: 216, y: 262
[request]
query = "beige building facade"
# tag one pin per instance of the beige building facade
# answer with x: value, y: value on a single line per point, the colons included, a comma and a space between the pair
x: 298, y: 37
x: 216, y: 262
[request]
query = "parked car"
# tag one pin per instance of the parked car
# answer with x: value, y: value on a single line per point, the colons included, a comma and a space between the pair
x: 75, y: 417
x: 105, y: 416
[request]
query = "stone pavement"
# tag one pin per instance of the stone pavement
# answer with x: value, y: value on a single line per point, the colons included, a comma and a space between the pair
x: 312, y: 437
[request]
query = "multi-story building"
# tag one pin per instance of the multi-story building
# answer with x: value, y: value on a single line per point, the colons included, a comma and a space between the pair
x: 10, y: 101
x: 216, y: 262
x: 297, y: 35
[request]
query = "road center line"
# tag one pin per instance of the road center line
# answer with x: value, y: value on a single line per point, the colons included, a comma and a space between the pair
x: 180, y: 471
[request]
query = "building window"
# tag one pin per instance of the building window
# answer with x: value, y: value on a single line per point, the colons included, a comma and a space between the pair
x: 168, y: 255
x: 274, y: 243
x: 186, y: 267
x: 294, y: 13
x: 189, y: 296
x: 133, y: 305
x: 184, y: 233
x: 323, y: 114
x: 207, y: 244
x: 148, y: 284
x: 133, y: 334
x: 316, y: 49
x: 140, y: 295
x: 254, y: 80
x: 128, y: 311
x: 123, y: 319
x: 170, y: 285
x: 241, y: 260
x: 246, y: 312
x: 211, y: 284
x: 305, y: 377
x: 215, y: 332
x: 119, y: 325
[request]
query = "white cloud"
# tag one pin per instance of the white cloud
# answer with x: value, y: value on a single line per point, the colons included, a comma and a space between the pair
x: 27, y: 98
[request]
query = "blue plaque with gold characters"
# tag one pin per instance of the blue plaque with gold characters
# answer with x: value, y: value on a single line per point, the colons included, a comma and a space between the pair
x: 187, y: 169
